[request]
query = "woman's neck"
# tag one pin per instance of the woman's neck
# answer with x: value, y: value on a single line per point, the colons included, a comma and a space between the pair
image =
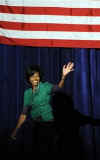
x: 34, y: 88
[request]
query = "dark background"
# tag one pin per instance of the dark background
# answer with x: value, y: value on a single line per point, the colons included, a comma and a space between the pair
x: 83, y: 84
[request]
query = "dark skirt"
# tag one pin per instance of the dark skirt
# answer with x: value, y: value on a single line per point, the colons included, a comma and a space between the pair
x: 35, y: 136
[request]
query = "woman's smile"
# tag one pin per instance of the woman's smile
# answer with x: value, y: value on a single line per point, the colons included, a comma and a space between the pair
x: 35, y: 79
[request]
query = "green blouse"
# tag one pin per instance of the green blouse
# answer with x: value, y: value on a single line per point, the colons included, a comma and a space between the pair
x: 40, y: 101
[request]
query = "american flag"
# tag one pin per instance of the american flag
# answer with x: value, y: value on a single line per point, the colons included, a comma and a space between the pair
x: 50, y: 23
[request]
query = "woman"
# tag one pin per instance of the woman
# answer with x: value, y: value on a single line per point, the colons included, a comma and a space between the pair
x: 37, y: 100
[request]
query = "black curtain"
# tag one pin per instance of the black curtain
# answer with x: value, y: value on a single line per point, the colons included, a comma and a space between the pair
x: 83, y: 84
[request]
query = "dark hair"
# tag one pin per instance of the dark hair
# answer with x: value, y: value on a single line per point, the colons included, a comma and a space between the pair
x: 30, y: 70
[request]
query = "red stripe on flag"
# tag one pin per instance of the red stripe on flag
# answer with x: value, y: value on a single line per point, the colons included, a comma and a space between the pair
x: 51, y: 43
x: 50, y: 11
x: 49, y: 27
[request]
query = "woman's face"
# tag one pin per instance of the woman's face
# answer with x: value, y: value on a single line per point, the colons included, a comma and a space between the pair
x: 35, y: 79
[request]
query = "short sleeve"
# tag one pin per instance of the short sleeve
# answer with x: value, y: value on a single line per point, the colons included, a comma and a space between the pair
x: 27, y: 98
x: 27, y: 102
x: 26, y: 110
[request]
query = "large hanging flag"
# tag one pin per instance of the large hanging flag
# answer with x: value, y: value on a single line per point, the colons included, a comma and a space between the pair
x: 50, y: 23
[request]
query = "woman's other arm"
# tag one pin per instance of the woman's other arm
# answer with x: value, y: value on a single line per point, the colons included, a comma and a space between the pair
x: 21, y: 120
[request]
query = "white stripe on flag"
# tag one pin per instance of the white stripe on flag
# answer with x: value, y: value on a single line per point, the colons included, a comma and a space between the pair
x: 53, y: 3
x: 49, y: 19
x: 50, y: 35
